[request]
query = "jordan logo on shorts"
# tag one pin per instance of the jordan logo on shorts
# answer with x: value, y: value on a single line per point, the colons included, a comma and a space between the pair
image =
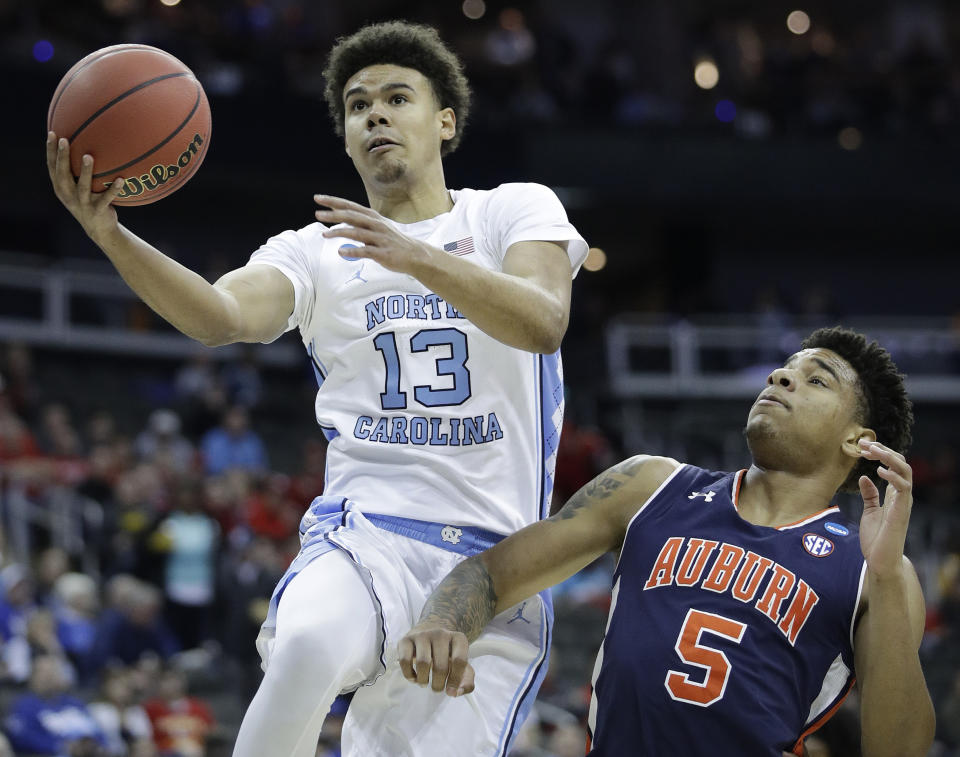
x: 519, y: 615
x: 451, y: 534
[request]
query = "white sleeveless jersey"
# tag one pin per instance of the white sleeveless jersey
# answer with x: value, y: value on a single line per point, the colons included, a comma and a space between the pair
x: 428, y: 417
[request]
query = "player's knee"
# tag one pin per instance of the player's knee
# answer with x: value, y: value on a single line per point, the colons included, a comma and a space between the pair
x: 305, y: 647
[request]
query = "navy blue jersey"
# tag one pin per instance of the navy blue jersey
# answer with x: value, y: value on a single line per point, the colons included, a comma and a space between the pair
x: 724, y: 637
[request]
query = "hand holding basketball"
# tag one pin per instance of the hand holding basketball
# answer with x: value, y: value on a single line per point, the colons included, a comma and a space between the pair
x: 93, y: 210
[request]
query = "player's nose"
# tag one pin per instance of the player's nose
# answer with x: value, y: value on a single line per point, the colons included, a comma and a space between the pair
x: 782, y: 377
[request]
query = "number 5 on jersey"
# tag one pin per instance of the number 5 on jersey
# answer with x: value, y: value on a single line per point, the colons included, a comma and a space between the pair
x: 692, y: 652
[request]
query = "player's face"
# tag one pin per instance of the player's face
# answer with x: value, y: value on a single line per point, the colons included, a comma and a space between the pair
x: 393, y: 124
x: 806, y: 414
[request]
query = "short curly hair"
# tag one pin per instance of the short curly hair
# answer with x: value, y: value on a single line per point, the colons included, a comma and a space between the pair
x: 404, y: 44
x: 884, y: 405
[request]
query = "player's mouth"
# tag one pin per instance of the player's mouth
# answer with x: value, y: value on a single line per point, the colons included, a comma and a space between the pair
x: 772, y: 399
x: 380, y: 144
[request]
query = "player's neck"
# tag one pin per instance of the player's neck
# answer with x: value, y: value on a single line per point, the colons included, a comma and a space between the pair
x: 406, y: 203
x: 777, y: 498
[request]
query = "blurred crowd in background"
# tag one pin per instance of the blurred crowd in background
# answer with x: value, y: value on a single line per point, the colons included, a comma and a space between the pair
x: 883, y: 66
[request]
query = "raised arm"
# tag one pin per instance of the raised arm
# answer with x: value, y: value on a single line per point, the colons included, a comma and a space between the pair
x: 526, y: 305
x: 251, y: 304
x: 896, y: 714
x: 592, y: 522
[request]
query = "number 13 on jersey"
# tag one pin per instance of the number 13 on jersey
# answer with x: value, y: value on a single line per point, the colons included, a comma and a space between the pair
x: 453, y: 364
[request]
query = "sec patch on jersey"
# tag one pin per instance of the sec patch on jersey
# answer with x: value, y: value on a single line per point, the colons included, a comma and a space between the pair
x: 816, y: 545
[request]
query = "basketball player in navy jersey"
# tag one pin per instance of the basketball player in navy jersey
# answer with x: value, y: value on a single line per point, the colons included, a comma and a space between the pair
x: 744, y: 605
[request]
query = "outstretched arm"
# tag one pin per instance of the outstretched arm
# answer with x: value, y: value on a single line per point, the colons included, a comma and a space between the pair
x: 251, y: 304
x: 897, y: 716
x: 592, y: 522
x: 526, y: 305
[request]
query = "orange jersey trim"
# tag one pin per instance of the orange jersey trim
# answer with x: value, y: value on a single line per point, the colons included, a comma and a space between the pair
x: 821, y: 720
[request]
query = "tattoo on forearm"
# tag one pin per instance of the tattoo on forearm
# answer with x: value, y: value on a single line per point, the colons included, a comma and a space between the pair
x: 465, y: 599
x: 601, y: 487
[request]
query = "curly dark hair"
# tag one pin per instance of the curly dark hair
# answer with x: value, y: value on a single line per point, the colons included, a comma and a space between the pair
x: 402, y: 44
x: 884, y: 405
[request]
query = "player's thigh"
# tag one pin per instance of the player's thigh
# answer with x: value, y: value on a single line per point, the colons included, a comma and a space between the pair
x: 326, y: 610
x: 396, y: 718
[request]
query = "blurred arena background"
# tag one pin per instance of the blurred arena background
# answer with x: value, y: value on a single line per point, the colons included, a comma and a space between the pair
x: 744, y: 171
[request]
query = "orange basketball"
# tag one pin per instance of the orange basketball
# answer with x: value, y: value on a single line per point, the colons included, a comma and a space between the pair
x: 140, y: 113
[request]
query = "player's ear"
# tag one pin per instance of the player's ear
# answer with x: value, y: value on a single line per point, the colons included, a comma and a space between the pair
x: 851, y: 444
x: 448, y: 124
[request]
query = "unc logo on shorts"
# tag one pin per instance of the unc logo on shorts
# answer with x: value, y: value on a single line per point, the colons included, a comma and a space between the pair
x: 836, y: 528
x: 451, y: 534
x: 816, y: 545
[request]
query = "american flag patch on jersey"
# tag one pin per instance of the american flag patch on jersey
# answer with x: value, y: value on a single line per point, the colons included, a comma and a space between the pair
x: 460, y: 247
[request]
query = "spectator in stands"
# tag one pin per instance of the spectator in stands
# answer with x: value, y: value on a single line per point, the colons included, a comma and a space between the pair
x: 122, y: 720
x: 270, y: 510
x: 48, y: 721
x: 190, y: 538
x: 162, y: 443
x: 233, y: 444
x: 16, y: 601
x: 241, y: 379
x: 181, y: 723
x: 76, y: 609
x: 21, y: 385
x: 134, y: 626
x: 40, y: 640
x: 16, y: 441
x: 52, y: 563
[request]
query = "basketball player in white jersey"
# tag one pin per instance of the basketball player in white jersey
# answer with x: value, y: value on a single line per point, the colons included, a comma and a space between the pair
x: 433, y: 320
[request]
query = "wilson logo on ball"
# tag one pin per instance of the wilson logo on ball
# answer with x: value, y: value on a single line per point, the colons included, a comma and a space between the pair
x: 159, y: 174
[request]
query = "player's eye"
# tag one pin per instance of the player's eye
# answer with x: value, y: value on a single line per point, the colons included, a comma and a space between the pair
x: 398, y: 99
x: 358, y: 105
x: 817, y: 380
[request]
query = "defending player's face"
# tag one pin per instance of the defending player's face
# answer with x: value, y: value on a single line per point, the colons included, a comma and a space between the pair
x: 393, y: 123
x: 808, y: 409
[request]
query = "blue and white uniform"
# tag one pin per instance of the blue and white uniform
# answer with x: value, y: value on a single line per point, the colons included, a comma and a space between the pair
x: 442, y: 440
x: 724, y: 637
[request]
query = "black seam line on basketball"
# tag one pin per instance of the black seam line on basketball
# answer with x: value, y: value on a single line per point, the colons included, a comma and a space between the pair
x: 66, y: 84
x: 148, y: 153
x: 118, y: 98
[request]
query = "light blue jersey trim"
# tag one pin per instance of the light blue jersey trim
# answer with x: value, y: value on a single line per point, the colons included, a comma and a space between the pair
x: 532, y: 679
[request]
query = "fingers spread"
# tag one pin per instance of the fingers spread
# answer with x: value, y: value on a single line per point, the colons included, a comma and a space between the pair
x: 869, y: 492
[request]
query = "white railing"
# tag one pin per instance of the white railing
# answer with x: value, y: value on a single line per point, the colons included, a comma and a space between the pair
x: 52, y: 291
x: 928, y: 351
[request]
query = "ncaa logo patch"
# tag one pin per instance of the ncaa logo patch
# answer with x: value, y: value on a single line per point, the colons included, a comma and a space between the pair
x: 816, y: 545
x: 836, y: 528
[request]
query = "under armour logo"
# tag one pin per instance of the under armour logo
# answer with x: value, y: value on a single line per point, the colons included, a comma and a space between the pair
x: 707, y: 496
x: 451, y: 534
x: 519, y: 615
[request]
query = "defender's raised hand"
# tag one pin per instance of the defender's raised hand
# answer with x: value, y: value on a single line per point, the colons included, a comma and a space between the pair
x: 883, y: 529
x: 381, y: 241
x: 431, y: 654
x: 92, y: 210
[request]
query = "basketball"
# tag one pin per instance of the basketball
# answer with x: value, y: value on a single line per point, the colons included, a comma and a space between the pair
x: 141, y: 114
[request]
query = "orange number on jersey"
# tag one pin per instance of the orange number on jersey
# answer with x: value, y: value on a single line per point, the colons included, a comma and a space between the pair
x: 692, y: 652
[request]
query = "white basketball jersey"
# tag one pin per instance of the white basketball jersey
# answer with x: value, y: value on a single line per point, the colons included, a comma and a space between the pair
x: 428, y: 417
